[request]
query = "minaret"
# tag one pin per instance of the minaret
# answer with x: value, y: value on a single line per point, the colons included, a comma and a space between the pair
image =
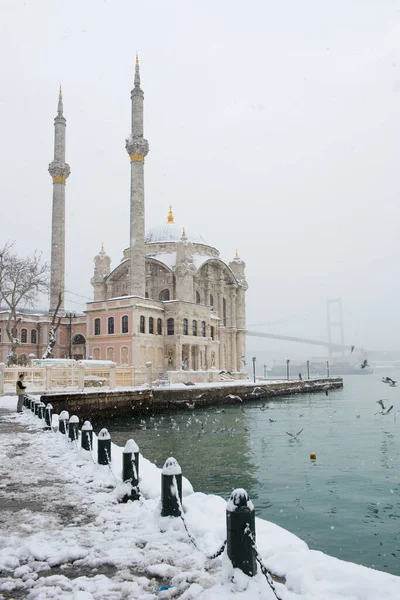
x: 59, y: 171
x: 137, y: 148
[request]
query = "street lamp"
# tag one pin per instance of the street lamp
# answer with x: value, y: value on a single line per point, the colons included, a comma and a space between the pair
x: 70, y: 316
x: 253, y: 358
x: 308, y: 369
x: 265, y: 371
x: 287, y: 368
x: 327, y: 369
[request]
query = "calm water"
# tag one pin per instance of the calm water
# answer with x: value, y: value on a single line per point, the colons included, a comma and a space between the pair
x: 346, y: 503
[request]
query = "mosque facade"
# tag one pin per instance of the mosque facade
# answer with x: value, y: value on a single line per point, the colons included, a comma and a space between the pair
x: 171, y: 301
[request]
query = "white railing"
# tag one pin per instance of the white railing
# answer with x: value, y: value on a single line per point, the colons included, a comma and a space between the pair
x: 72, y: 377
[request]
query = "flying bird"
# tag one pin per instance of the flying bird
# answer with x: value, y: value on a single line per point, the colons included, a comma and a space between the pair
x: 272, y: 420
x: 390, y: 381
x: 294, y: 435
x: 233, y: 397
x: 190, y: 404
x: 263, y: 407
x: 352, y: 349
x: 383, y: 411
x: 364, y: 364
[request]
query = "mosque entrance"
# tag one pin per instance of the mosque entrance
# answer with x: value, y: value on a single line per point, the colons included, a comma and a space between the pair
x: 78, y: 350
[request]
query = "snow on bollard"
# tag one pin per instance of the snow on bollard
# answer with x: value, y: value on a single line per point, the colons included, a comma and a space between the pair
x: 239, y: 514
x: 63, y: 421
x: 87, y: 436
x: 41, y: 407
x: 73, y: 428
x: 130, y: 470
x: 104, y: 447
x: 48, y: 416
x: 171, y: 489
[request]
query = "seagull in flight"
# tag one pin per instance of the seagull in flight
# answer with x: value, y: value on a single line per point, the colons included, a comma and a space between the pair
x: 190, y: 405
x: 390, y: 381
x: 294, y: 435
x: 383, y: 411
x: 263, y: 407
x: 352, y: 349
x: 272, y: 420
x: 364, y: 364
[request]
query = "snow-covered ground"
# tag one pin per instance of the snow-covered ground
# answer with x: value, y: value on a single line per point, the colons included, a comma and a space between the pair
x: 65, y: 535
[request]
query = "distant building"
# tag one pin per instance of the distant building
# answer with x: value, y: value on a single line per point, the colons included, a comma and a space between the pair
x: 172, y: 300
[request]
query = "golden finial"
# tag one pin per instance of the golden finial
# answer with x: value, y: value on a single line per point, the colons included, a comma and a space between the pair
x: 137, y: 58
x: 60, y: 89
x: 183, y: 232
x: 237, y: 254
x: 102, y: 246
x: 170, y: 218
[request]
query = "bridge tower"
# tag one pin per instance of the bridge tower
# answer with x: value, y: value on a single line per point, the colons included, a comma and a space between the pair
x: 335, y: 323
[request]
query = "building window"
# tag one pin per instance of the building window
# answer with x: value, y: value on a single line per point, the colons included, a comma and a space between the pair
x: 97, y: 327
x: 164, y: 295
x: 170, y: 327
x: 185, y: 327
x: 110, y: 354
x: 33, y: 336
x: 203, y: 329
x: 194, y: 327
x: 146, y: 294
x: 124, y: 355
x: 224, y: 311
x: 24, y: 336
x: 151, y: 325
x: 110, y: 325
x: 96, y: 353
x: 197, y: 298
x: 125, y: 324
x: 159, y: 326
x: 142, y: 324
x: 211, y: 301
x: 212, y: 332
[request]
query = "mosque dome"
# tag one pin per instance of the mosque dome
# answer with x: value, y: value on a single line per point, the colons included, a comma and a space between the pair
x: 171, y: 232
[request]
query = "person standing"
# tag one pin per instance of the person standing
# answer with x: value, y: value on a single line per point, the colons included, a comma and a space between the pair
x: 20, y: 388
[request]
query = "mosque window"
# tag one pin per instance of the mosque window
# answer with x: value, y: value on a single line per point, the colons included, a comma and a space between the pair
x: 194, y: 327
x: 146, y: 294
x: 24, y: 336
x: 33, y: 336
x: 170, y: 327
x: 185, y: 327
x: 203, y: 329
x: 110, y: 321
x: 197, y: 298
x: 125, y: 324
x: 164, y: 295
x: 142, y: 324
x: 151, y: 325
x: 212, y: 332
x: 211, y: 301
x: 97, y: 327
x: 224, y: 311
x: 159, y: 326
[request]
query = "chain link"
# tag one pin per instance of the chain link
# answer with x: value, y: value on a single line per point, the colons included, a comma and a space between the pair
x: 190, y: 535
x: 264, y: 570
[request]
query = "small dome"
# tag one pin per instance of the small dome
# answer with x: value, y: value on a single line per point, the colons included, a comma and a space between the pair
x: 170, y: 232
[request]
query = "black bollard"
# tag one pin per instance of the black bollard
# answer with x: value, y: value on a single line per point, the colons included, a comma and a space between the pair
x: 104, y: 448
x: 41, y: 408
x: 31, y: 400
x: 63, y: 421
x: 171, y: 487
x: 130, y: 469
x: 73, y: 428
x: 26, y: 401
x: 48, y: 416
x: 87, y: 436
x: 239, y: 513
x: 33, y: 404
x: 36, y: 409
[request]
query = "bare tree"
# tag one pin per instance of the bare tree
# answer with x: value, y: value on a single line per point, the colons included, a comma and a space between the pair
x: 53, y: 328
x: 21, y: 281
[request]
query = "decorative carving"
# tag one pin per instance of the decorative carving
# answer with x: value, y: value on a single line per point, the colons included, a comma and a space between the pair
x: 137, y: 147
x: 59, y: 172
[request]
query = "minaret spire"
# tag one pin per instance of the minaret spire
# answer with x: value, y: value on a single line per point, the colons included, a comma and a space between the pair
x: 137, y: 148
x: 59, y: 171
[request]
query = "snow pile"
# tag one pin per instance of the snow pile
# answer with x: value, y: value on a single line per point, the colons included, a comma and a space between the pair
x: 64, y: 534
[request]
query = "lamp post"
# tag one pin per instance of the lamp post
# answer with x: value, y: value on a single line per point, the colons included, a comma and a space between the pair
x: 265, y: 371
x: 287, y: 368
x: 253, y: 358
x: 70, y: 316
x: 308, y: 369
x: 327, y: 369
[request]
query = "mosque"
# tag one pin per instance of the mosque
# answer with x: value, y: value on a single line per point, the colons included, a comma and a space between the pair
x: 171, y: 301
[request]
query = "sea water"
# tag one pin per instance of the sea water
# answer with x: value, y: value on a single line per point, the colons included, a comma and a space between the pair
x: 345, y: 503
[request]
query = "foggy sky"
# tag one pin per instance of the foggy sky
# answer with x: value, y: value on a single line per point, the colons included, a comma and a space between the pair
x: 273, y: 128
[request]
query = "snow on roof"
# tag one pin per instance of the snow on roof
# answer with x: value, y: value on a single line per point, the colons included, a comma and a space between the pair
x: 170, y: 232
x: 149, y: 306
x: 168, y: 258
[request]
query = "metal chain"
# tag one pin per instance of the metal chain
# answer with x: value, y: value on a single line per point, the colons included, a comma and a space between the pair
x: 263, y: 568
x: 91, y: 449
x: 190, y: 535
x: 109, y: 464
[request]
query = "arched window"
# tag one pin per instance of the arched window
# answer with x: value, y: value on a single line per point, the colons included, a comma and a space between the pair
x: 203, y: 328
x: 142, y: 324
x: 185, y: 327
x: 212, y: 332
x: 97, y: 327
x: 224, y: 311
x: 170, y: 327
x: 159, y: 326
x: 33, y: 336
x: 146, y: 294
x: 197, y: 298
x: 194, y: 327
x: 110, y: 321
x: 24, y: 336
x: 125, y: 324
x: 164, y: 295
x: 96, y: 353
x: 211, y: 301
x: 110, y: 354
x: 151, y: 325
x: 78, y: 340
x: 124, y: 355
